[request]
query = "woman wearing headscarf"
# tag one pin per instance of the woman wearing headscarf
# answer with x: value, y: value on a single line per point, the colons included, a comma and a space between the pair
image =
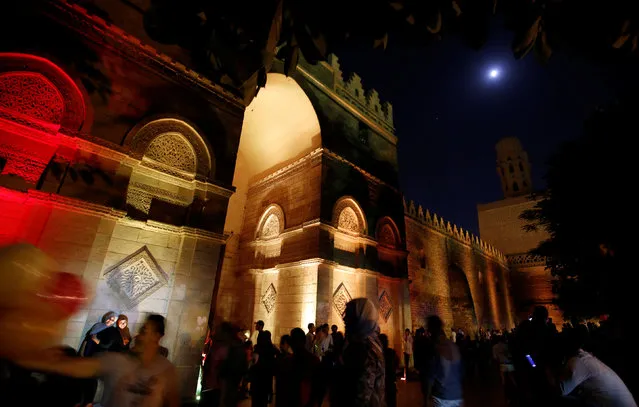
x: 116, y: 338
x: 90, y: 344
x: 361, y: 380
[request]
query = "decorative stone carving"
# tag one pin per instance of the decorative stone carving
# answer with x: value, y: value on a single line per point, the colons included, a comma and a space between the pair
x: 142, y: 136
x: 172, y: 150
x: 385, y: 306
x: 269, y: 298
x: 271, y: 223
x: 46, y: 93
x: 352, y: 220
x: 526, y: 260
x: 271, y: 227
x: 386, y: 236
x: 348, y: 220
x: 31, y: 94
x: 136, y: 277
x: 341, y: 297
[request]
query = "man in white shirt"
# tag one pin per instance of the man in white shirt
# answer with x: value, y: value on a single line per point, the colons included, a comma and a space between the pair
x: 310, y: 337
x: 588, y: 379
x: 143, y: 379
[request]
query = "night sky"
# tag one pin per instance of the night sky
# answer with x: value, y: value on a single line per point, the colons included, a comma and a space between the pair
x: 449, y: 115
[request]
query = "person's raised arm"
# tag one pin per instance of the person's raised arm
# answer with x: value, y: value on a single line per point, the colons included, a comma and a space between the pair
x: 52, y: 362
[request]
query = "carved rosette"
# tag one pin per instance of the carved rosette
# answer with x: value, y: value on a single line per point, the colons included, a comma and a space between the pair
x: 269, y: 298
x: 385, y: 306
x: 136, y: 277
x: 341, y: 297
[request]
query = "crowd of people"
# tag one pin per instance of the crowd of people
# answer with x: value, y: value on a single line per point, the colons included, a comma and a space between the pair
x: 536, y: 364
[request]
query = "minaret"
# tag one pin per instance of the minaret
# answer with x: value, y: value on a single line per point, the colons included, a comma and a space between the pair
x: 513, y: 167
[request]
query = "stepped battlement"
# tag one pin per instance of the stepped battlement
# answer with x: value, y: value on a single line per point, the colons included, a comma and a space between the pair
x: 351, y: 90
x: 438, y: 223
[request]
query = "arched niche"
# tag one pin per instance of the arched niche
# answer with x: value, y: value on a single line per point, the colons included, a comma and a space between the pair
x: 387, y: 233
x: 169, y: 141
x: 36, y: 92
x: 461, y: 301
x: 271, y: 224
x: 349, y: 217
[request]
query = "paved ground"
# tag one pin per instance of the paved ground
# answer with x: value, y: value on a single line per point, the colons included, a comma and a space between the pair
x: 481, y: 391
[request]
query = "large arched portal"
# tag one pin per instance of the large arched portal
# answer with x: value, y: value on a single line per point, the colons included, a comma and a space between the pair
x: 461, y: 301
x: 280, y: 126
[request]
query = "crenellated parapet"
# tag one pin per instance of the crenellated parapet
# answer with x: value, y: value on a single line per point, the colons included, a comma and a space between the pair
x: 366, y: 101
x: 438, y: 223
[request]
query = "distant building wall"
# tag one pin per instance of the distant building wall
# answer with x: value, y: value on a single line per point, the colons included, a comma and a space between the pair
x: 455, y: 275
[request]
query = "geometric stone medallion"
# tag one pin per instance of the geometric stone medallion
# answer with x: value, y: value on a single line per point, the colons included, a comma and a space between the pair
x: 136, y: 277
x: 385, y: 306
x: 341, y: 297
x: 269, y: 298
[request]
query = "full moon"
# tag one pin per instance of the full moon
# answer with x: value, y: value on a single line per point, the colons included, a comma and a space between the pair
x: 493, y: 73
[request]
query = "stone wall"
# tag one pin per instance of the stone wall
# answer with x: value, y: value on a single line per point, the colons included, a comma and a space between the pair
x: 500, y: 225
x: 455, y: 275
x: 90, y: 241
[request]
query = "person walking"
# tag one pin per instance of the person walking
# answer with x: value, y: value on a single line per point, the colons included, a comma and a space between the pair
x: 444, y: 376
x: 407, y: 345
x: 263, y: 370
x: 362, y: 375
x: 223, y: 369
x: 144, y: 378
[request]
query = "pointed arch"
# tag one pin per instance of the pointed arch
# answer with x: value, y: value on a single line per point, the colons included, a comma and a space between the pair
x: 387, y: 233
x: 348, y: 216
x: 272, y: 223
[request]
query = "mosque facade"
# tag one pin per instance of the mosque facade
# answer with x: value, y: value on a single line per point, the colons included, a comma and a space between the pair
x: 169, y: 194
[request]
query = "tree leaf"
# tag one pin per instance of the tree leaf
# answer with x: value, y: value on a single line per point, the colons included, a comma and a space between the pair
x: 456, y: 8
x: 523, y: 46
x: 383, y: 42
x: 435, y: 26
x: 542, y: 49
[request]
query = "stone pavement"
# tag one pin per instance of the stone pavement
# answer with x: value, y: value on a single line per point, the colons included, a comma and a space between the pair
x: 484, y: 391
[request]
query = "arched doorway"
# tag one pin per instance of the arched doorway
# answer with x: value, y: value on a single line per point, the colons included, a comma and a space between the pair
x: 461, y: 301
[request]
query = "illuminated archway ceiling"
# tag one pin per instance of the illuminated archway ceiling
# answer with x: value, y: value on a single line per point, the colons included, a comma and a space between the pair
x: 280, y: 126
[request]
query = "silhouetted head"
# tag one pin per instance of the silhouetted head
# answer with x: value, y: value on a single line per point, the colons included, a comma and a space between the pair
x: 311, y: 327
x: 285, y: 344
x: 540, y: 314
x: 259, y: 326
x: 383, y: 338
x: 264, y: 339
x: 435, y: 325
x: 298, y: 339
x: 334, y: 329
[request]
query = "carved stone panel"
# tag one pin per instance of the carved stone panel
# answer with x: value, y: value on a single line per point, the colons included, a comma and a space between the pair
x: 385, y: 306
x: 348, y: 220
x: 172, y: 150
x: 271, y: 227
x: 136, y: 277
x: 341, y: 297
x: 269, y: 298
